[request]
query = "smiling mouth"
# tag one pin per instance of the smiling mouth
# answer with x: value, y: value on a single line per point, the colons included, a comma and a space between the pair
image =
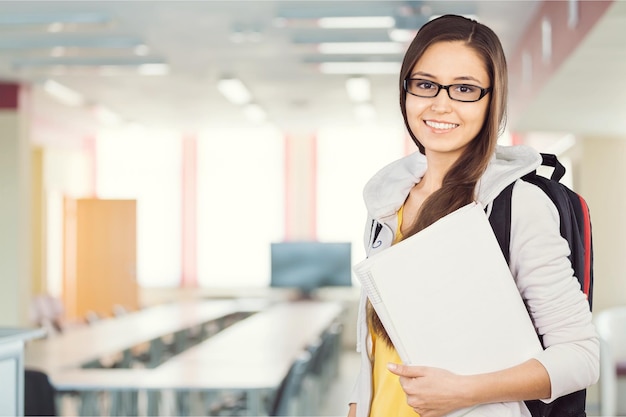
x: 440, y: 126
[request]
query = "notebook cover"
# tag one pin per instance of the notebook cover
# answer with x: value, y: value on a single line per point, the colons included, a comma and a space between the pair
x: 447, y: 297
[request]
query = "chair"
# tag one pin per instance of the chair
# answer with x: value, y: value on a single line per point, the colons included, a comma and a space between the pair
x: 119, y: 310
x: 92, y: 317
x: 118, y: 360
x: 611, y: 326
x: 47, y: 311
x: 39, y: 394
x: 288, y: 399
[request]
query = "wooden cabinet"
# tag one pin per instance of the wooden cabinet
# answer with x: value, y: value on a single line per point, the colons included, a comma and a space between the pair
x: 99, y: 256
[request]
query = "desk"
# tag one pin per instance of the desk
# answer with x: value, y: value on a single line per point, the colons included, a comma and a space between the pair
x: 253, y: 356
x: 107, y: 337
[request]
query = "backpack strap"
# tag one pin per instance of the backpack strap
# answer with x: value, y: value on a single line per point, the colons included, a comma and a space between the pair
x: 551, y: 160
x: 500, y: 219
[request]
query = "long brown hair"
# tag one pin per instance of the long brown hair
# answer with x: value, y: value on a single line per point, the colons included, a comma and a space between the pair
x: 459, y: 183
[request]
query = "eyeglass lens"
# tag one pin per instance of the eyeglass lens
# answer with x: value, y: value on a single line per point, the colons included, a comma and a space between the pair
x: 460, y: 92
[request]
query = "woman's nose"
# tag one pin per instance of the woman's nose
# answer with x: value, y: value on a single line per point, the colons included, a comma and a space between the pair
x: 442, y: 103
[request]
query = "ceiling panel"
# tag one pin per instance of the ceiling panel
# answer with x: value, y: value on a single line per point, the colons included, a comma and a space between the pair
x: 95, y: 47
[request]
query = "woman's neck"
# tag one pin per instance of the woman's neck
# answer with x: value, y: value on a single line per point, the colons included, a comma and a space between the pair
x: 438, y: 166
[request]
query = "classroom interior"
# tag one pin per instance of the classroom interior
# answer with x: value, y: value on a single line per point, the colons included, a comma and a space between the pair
x: 168, y: 249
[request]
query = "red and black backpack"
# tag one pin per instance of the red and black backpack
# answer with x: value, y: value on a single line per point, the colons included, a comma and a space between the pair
x: 576, y: 229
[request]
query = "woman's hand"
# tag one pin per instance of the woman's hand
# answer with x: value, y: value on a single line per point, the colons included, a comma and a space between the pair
x: 432, y: 392
x: 352, y: 411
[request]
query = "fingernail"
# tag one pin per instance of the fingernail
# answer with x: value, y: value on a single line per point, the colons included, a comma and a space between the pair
x: 392, y: 366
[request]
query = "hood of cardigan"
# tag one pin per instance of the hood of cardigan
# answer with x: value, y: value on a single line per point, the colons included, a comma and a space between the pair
x: 387, y: 190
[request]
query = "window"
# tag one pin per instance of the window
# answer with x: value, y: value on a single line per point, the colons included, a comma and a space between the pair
x: 347, y: 159
x: 146, y: 167
x: 240, y: 205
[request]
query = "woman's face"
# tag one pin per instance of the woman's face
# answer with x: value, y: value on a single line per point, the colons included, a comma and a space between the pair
x: 445, y: 126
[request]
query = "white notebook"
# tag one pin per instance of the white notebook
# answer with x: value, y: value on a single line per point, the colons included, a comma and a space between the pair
x: 447, y: 298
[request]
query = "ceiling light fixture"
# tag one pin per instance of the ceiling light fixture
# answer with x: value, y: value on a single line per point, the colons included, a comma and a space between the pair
x: 364, y: 112
x: 402, y: 35
x: 359, y: 89
x: 141, y: 50
x: 105, y: 41
x: 55, y: 27
x: 356, y: 22
x: 107, y: 116
x: 361, y: 48
x: 53, y: 18
x: 467, y: 15
x: 57, y: 51
x: 359, y: 67
x: 153, y: 69
x: 63, y: 94
x: 254, y: 113
x: 234, y: 90
x: 108, y: 70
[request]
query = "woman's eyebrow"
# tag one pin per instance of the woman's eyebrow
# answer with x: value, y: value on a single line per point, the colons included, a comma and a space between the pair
x: 460, y: 78
x: 467, y: 78
x: 422, y: 74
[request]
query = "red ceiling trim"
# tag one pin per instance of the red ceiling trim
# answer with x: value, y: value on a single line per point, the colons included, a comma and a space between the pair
x: 9, y: 96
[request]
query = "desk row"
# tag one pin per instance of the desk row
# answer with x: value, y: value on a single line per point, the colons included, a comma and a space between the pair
x: 255, y: 366
x: 145, y: 330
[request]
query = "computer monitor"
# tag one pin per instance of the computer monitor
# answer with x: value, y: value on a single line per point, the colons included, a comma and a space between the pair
x: 308, y: 265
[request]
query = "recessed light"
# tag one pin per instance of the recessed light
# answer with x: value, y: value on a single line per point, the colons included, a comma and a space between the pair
x: 63, y: 94
x: 254, y: 113
x: 361, y: 48
x: 359, y: 67
x: 356, y: 22
x: 358, y: 89
x: 56, y: 27
x: 364, y: 111
x: 234, y: 90
x: 142, y: 50
x: 153, y: 69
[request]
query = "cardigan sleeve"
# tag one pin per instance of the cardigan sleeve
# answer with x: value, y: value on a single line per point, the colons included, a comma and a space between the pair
x: 546, y: 281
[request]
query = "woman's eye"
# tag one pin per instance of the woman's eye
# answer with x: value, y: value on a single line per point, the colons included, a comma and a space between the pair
x: 424, y: 85
x: 466, y: 89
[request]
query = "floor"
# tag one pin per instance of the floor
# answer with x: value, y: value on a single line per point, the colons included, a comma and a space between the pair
x: 336, y: 402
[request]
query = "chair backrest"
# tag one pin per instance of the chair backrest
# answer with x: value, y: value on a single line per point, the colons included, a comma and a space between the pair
x: 47, y: 311
x: 611, y: 326
x: 119, y: 310
x: 289, y: 390
x: 92, y: 317
x: 39, y: 394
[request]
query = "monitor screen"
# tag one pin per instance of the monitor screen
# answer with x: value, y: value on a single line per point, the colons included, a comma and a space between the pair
x: 307, y: 265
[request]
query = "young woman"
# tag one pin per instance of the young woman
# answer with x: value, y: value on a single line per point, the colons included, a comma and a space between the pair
x: 453, y: 94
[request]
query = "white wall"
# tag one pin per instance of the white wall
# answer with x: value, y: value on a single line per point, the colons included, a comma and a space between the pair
x: 601, y: 173
x: 15, y: 262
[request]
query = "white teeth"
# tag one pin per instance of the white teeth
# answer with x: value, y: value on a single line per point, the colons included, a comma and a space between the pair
x: 441, y: 126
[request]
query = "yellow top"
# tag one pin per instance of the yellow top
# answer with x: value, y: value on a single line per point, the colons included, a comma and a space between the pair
x: 388, y: 398
x: 399, y: 235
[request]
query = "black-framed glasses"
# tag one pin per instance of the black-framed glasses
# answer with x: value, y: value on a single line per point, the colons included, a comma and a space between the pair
x: 466, y: 93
